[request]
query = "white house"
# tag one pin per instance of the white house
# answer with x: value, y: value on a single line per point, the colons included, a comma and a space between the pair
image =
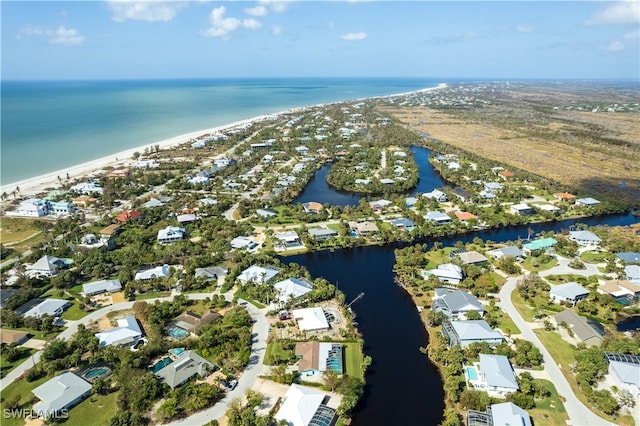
x: 46, y: 266
x: 456, y: 304
x: 437, y: 195
x: 127, y: 332
x: 292, y: 288
x: 257, y: 274
x: 302, y: 405
x: 51, y: 307
x: 587, y: 202
x: 625, y: 371
x: 521, y: 209
x: 102, y: 286
x: 60, y: 393
x: 569, y: 292
x: 311, y: 319
x: 584, y: 238
x: 157, y: 272
x: 33, y: 207
x: 496, y: 376
x: 448, y: 273
x: 288, y: 239
x: 86, y: 188
x: 170, y: 234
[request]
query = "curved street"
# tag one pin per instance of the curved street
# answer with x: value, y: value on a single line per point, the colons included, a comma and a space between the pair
x: 245, y: 381
x: 579, y: 414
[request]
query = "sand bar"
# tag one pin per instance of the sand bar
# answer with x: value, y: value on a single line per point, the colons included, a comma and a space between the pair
x: 38, y: 184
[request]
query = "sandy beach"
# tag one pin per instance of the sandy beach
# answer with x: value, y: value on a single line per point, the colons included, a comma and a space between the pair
x: 38, y: 184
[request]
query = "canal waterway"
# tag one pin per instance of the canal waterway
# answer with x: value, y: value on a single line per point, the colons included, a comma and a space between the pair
x: 403, y: 387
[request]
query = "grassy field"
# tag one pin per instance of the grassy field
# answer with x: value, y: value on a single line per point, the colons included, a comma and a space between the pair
x: 98, y: 408
x: 275, y: 350
x: 353, y: 359
x: 6, y: 366
x: 23, y: 389
x: 16, y: 229
x: 528, y: 264
x: 74, y: 312
x: 550, y: 410
x: 596, y: 256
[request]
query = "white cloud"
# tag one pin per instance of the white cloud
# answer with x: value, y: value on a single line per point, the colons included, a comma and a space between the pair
x: 256, y: 11
x: 626, y: 12
x: 60, y: 35
x: 276, y: 30
x: 354, y: 36
x: 276, y: 6
x: 222, y: 26
x: 524, y: 29
x: 632, y: 35
x: 150, y: 11
x: 615, y: 46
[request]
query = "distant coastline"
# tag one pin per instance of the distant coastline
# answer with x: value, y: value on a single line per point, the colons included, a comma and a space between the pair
x: 37, y: 184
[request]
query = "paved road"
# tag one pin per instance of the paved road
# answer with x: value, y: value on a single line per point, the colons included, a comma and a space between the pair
x: 579, y: 414
x: 245, y: 382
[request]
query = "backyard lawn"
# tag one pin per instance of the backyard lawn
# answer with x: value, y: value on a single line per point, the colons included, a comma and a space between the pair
x: 23, y: 389
x: 6, y: 366
x: 73, y: 312
x: 275, y: 351
x: 353, y: 359
x: 549, y: 410
x: 532, y: 264
x: 98, y: 408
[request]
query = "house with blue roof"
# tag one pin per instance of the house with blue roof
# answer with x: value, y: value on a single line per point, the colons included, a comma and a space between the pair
x: 506, y: 413
x: 568, y: 292
x: 496, y: 376
x: 403, y: 223
x: 456, y: 304
x: 629, y: 257
x: 464, y: 333
x: 541, y: 244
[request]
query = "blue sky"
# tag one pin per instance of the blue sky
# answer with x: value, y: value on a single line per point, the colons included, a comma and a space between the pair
x: 474, y: 39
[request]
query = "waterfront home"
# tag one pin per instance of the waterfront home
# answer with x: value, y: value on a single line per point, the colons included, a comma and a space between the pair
x: 128, y: 332
x: 466, y: 332
x: 47, y: 266
x: 623, y: 291
x: 564, y: 196
x: 632, y: 272
x: 542, y: 244
x: 38, y: 307
x: 505, y: 174
x: 587, y: 202
x: 464, y: 216
x: 322, y: 234
x: 363, y: 228
x: 588, y: 331
x: 102, y: 286
x: 548, y: 208
x: 211, y: 272
x: 33, y: 207
x: 292, y: 288
x: 303, y: 406
x: 311, y: 319
x: 317, y: 357
x: 571, y: 293
x: 170, y: 234
x: 471, y: 258
x: 437, y: 195
x: 186, y: 365
x: 437, y: 217
x: 521, y: 209
x: 629, y: 257
x: 312, y: 207
x: 287, y: 239
x: 127, y: 215
x: 584, y: 238
x: 87, y: 188
x: 496, y: 376
x: 456, y: 304
x: 60, y: 393
x: 624, y: 370
x: 506, y: 413
x: 84, y: 201
x: 487, y: 195
x: 464, y: 196
x: 257, y: 274
x: 198, y: 144
x: 410, y: 201
x: 146, y: 164
x: 508, y: 251
x: 379, y: 204
x: 148, y: 274
x: 59, y: 208
x: 447, y: 273
x: 387, y: 181
x: 403, y: 224
x: 192, y: 322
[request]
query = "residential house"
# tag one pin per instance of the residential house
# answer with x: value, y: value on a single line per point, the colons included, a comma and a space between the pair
x: 84, y: 201
x: 464, y: 216
x: 505, y: 174
x: 378, y: 205
x: 212, y: 272
x: 410, y: 201
x: 464, y: 196
x: 625, y: 371
x: 192, y: 322
x: 128, y: 332
x: 287, y: 239
x: 632, y: 272
x: 568, y: 292
x: 437, y: 217
x: 464, y: 333
x: 186, y: 365
x: 387, y: 181
x: 33, y: 207
x: 541, y: 244
x: 584, y: 330
x: 404, y: 224
x: 47, y: 266
x: 185, y: 219
x: 508, y: 251
x: 127, y: 215
x: 266, y: 213
x: 322, y: 234
x: 318, y: 357
x: 39, y: 307
x: 13, y: 337
x: 154, y: 202
x: 59, y: 208
x: 363, y: 228
x: 292, y: 288
x: 258, y: 274
x: 437, y: 195
x: 521, y: 209
x: 242, y: 242
x: 148, y: 274
x: 170, y: 234
x: 60, y: 393
x: 456, y: 304
x: 305, y: 407
x: 311, y: 319
x: 623, y: 291
x: 493, y: 186
x: 504, y: 414
x: 587, y: 202
x: 87, y: 188
x: 496, y: 376
x: 629, y: 257
x: 198, y: 144
x: 487, y: 195
x: 548, y: 208
x: 312, y: 207
x: 447, y: 273
x: 564, y: 196
x: 471, y: 258
x: 584, y: 238
x: 102, y: 286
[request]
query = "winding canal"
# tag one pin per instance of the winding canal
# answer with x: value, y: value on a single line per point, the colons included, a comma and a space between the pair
x: 403, y: 387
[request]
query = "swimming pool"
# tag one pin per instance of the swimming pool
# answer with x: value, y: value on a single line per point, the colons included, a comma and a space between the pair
x: 161, y: 364
x: 471, y: 373
x: 176, y: 351
x: 96, y: 372
x: 177, y: 333
x: 93, y: 371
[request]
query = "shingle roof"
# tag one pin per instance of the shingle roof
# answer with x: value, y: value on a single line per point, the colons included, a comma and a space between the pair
x: 187, y: 364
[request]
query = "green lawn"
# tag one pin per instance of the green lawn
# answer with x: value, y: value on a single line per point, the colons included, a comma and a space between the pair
x: 353, y: 359
x: 153, y: 295
x: 550, y: 410
x: 74, y: 312
x: 497, y: 278
x: 596, y: 256
x: 528, y: 264
x: 275, y: 350
x: 6, y: 366
x: 242, y: 295
x: 98, y: 408
x: 23, y: 389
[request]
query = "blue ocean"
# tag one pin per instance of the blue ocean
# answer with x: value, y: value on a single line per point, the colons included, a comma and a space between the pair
x: 50, y: 125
